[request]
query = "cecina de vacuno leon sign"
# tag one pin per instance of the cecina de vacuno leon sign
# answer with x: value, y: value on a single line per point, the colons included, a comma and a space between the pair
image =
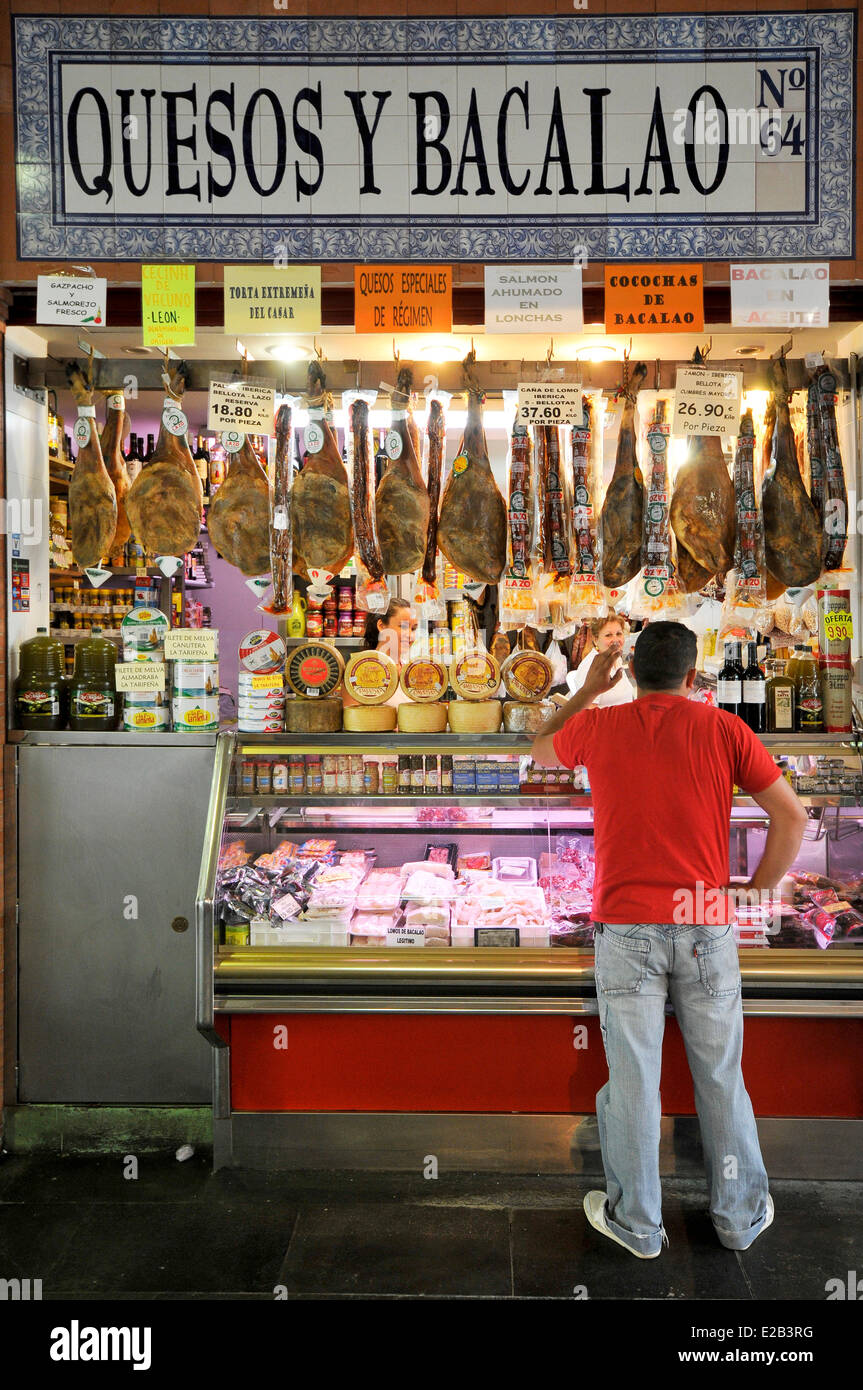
x: 679, y: 137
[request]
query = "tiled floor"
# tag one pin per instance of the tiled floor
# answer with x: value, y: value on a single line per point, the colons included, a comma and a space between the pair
x: 180, y: 1231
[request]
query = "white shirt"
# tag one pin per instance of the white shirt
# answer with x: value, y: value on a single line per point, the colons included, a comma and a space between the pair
x: 620, y: 694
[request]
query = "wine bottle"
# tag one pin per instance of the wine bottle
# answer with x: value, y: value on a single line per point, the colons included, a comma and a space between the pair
x: 754, y: 710
x: 151, y: 447
x: 729, y: 682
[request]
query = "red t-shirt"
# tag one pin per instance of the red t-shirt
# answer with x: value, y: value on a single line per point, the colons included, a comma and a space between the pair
x: 661, y: 772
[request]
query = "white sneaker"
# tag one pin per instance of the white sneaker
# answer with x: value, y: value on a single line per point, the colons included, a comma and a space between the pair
x: 594, y: 1210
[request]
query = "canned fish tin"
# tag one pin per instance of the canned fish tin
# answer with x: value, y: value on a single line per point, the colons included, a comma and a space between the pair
x: 193, y: 713
x: 150, y: 718
x: 261, y: 726
x: 195, y: 677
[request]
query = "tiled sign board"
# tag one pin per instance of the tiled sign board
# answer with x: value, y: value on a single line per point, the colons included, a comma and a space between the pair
x: 524, y: 139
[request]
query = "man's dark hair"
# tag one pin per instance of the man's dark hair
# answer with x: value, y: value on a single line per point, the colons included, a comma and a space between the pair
x: 663, y: 654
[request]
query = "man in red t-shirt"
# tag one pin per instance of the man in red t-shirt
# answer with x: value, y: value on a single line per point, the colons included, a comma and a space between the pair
x: 662, y: 771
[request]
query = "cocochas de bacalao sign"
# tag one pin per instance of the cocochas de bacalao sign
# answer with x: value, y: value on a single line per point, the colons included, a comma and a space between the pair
x: 693, y: 136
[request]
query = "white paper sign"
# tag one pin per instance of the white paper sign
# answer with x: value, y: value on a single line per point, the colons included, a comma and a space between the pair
x: 792, y: 294
x: 549, y: 403
x: 139, y: 675
x: 71, y: 299
x: 405, y: 936
x: 246, y: 405
x: 190, y: 644
x: 533, y: 299
x: 707, y: 402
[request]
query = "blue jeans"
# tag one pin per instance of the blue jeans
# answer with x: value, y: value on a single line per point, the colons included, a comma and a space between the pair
x: 638, y: 968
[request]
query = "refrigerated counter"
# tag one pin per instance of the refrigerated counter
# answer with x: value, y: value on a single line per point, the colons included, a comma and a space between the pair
x: 350, y: 1054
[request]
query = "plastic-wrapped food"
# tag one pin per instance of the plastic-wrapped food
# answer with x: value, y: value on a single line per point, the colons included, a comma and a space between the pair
x: 233, y: 854
x: 657, y: 593
x: 586, y: 598
x: 322, y: 850
x: 424, y: 887
x: 834, y: 515
x: 515, y: 869
x: 517, y: 596
x: 442, y: 854
x: 747, y: 592
x: 441, y: 868
x: 474, y: 861
x: 429, y: 915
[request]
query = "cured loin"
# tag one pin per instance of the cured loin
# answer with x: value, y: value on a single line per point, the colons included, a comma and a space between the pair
x: 321, y: 511
x: 555, y: 549
x: 92, y: 499
x: 621, y: 519
x: 239, y: 514
x: 436, y: 431
x: 835, y: 512
x: 115, y: 464
x: 402, y: 507
x: 164, y: 503
x: 792, y: 533
x: 281, y: 545
x: 472, y: 530
x: 365, y: 535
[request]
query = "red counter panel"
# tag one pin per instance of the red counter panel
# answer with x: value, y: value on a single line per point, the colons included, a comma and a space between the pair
x: 516, y: 1064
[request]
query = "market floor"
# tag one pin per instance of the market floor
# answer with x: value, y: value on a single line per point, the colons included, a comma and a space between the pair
x: 178, y: 1231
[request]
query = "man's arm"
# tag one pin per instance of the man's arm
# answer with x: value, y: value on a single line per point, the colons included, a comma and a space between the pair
x: 598, y: 680
x: 784, y: 833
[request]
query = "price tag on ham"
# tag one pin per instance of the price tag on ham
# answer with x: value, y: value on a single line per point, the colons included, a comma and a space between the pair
x: 139, y: 675
x: 707, y: 402
x: 174, y: 419
x: 393, y: 445
x: 82, y: 432
x: 314, y: 438
x: 232, y: 441
x: 549, y: 403
x: 246, y: 405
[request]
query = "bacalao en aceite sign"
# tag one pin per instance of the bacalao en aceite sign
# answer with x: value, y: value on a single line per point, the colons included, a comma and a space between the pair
x: 403, y: 298
x: 654, y: 298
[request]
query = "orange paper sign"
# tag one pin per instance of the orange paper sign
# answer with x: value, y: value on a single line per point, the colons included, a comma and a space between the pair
x: 403, y: 298
x: 653, y: 298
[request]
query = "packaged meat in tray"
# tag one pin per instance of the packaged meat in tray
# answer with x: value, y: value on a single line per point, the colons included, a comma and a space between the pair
x: 514, y: 869
x: 442, y: 854
x: 423, y: 887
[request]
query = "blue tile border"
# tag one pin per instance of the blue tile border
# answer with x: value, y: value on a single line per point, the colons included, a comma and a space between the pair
x: 824, y: 39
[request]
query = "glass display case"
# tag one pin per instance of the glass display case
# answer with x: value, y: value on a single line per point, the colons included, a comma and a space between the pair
x: 445, y: 873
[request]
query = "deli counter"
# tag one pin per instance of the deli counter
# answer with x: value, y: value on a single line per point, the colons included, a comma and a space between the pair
x: 372, y: 961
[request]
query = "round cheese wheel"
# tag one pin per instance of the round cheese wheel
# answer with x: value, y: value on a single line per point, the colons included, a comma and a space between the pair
x: 371, y: 677
x: 369, y: 719
x: 314, y: 670
x: 474, y: 716
x: 424, y: 680
x: 521, y: 717
x: 475, y: 675
x: 261, y: 652
x: 422, y: 719
x: 527, y: 675
x: 313, y: 716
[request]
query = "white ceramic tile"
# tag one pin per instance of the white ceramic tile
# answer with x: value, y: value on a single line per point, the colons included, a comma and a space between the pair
x: 488, y: 80
x: 780, y: 188
x: 633, y: 89
x: 540, y: 79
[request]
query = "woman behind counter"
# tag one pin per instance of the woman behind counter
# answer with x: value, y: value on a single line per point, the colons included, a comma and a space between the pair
x: 607, y: 632
x: 392, y: 633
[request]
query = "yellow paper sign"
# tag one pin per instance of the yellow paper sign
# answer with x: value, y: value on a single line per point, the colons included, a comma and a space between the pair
x: 168, y: 305
x: 275, y: 682
x: 139, y: 675
x: 264, y: 299
x: 839, y: 626
x: 190, y: 644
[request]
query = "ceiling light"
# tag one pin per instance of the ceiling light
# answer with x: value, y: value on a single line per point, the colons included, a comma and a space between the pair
x: 749, y: 351
x: 438, y: 350
x: 598, y: 352
x: 287, y: 351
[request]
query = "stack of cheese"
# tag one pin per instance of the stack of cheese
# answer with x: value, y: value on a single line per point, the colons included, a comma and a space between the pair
x: 527, y: 676
x: 424, y: 681
x: 475, y: 677
x: 313, y: 674
x: 371, y: 678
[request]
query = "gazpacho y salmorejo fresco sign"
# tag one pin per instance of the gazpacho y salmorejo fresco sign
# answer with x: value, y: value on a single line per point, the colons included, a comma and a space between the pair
x: 648, y: 137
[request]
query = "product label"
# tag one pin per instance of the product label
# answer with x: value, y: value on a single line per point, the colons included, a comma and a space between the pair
x: 393, y: 445
x: 838, y: 625
x: 174, y: 419
x: 783, y: 709
x: 93, y: 704
x: 371, y: 678
x: 232, y: 441
x: 753, y: 693
x: 190, y: 644
x: 144, y: 718
x: 314, y: 438
x: 81, y: 432
x: 262, y: 651
x: 405, y: 936
x: 117, y: 401
x: 38, y: 702
x: 729, y: 692
x: 275, y: 682
x: 139, y: 675
x: 424, y: 680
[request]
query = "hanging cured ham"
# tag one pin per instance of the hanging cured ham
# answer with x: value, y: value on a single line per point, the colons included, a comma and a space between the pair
x: 239, y: 514
x: 92, y: 499
x: 792, y: 532
x: 472, y: 530
x: 321, y: 510
x: 365, y: 535
x: 622, y: 516
x: 402, y: 505
x: 165, y: 501
x: 436, y: 431
x: 702, y: 507
x: 835, y: 511
x: 280, y: 517
x: 115, y: 464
